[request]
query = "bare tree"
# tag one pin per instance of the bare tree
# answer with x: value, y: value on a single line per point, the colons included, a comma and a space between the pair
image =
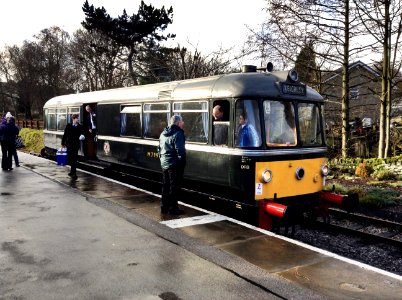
x: 326, y: 25
x: 98, y: 61
x: 383, y: 21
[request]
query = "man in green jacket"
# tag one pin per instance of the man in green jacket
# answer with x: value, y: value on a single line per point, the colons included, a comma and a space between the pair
x: 172, y: 154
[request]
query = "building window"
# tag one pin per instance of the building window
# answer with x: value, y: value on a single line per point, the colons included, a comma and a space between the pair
x: 354, y: 93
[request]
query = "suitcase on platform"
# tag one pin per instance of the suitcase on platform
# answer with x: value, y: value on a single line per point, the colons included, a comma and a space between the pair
x: 61, y: 157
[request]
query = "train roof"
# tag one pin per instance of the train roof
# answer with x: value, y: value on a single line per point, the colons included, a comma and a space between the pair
x: 252, y: 85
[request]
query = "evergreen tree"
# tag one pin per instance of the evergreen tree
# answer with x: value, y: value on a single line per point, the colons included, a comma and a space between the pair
x: 135, y: 32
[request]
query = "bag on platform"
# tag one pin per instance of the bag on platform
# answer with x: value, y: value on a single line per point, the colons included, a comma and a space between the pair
x: 18, y: 142
x: 61, y: 156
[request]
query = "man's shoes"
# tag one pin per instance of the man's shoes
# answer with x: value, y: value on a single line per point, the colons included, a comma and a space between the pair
x: 70, y: 174
x: 10, y: 169
x: 17, y: 165
x: 74, y: 176
x: 164, y: 210
x: 176, y: 211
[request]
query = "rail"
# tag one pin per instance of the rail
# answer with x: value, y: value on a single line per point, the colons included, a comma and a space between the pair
x: 33, y: 124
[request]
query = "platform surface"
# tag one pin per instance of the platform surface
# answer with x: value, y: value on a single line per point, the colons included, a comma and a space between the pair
x: 97, y: 239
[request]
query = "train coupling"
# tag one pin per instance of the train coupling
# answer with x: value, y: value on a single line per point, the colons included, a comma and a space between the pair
x: 348, y: 202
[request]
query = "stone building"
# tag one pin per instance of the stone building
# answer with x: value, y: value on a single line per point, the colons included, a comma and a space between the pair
x: 365, y: 91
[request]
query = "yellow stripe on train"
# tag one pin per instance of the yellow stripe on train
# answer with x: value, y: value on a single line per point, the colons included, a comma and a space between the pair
x: 284, y: 181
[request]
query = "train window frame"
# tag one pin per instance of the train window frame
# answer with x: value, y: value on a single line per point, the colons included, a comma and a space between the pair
x: 61, y: 119
x: 285, y: 133
x: 252, y: 119
x: 197, y: 131
x: 318, y: 139
x: 70, y: 112
x: 125, y: 112
x: 51, y: 119
x: 220, y: 128
x: 150, y: 129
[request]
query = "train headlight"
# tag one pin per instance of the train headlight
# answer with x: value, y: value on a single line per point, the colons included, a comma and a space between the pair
x: 324, y: 170
x: 299, y: 173
x: 292, y: 75
x: 267, y: 175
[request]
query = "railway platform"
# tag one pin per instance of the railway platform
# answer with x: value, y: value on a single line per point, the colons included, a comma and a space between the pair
x: 94, y: 238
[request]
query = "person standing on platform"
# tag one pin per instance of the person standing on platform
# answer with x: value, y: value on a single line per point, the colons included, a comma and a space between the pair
x: 172, y: 154
x: 91, y: 133
x: 8, y: 132
x: 73, y: 134
x: 15, y: 154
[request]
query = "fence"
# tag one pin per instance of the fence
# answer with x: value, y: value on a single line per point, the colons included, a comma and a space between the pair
x: 33, y: 124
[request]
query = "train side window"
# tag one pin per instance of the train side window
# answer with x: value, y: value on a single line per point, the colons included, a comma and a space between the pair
x: 310, y: 125
x: 71, y: 111
x: 220, y: 125
x: 61, y: 119
x: 130, y: 121
x: 196, y: 118
x: 248, y: 131
x: 280, y: 123
x: 156, y: 117
x: 51, y: 119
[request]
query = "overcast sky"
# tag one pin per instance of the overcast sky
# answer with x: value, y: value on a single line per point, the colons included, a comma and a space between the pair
x: 207, y: 24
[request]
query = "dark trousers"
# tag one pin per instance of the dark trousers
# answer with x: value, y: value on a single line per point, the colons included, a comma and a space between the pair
x: 7, y: 149
x: 72, y: 157
x: 171, y: 184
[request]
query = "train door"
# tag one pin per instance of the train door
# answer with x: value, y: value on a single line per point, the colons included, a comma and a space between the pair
x: 218, y: 163
x: 90, y: 129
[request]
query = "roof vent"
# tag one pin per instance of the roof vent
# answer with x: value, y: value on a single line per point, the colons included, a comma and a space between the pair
x: 248, y: 69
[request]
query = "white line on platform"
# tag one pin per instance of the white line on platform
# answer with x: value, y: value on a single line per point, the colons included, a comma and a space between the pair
x: 198, y: 220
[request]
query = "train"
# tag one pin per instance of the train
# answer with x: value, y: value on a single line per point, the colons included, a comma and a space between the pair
x: 279, y: 176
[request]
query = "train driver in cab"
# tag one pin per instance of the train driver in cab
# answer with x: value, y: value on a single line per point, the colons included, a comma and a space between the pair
x: 247, y: 135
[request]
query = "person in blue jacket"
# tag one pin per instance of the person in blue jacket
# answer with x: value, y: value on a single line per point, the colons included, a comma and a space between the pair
x: 247, y: 136
x: 172, y: 154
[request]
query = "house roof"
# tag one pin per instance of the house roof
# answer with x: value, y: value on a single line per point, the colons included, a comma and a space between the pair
x: 358, y: 64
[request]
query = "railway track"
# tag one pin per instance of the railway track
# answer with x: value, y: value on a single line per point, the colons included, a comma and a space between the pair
x: 370, y: 229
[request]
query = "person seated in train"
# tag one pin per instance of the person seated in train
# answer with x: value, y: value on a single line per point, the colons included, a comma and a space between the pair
x: 247, y: 136
x: 220, y: 130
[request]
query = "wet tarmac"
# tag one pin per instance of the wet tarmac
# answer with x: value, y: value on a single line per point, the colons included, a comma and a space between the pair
x: 95, y: 238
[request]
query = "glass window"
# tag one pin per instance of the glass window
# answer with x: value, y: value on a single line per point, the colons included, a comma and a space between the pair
x: 310, y: 125
x: 248, y: 132
x: 195, y: 117
x: 61, y: 119
x: 51, y: 119
x: 280, y: 128
x: 156, y: 118
x: 220, y: 113
x: 70, y: 111
x: 130, y: 121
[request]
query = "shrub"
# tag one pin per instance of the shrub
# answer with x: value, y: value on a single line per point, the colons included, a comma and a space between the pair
x: 383, y: 174
x: 379, y: 198
x: 33, y: 140
x: 364, y: 170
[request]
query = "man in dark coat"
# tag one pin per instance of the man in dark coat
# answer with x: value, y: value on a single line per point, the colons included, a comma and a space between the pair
x: 73, y: 134
x: 8, y: 131
x: 172, y: 154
